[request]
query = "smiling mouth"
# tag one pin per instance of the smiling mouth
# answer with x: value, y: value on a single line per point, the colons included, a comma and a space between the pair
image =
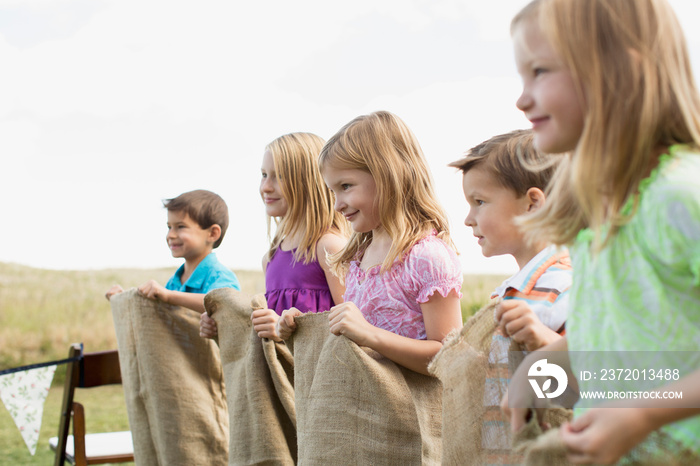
x: 349, y: 216
x: 538, y: 121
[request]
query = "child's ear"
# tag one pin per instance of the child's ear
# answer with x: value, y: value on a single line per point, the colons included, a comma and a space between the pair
x: 214, y: 233
x: 535, y: 198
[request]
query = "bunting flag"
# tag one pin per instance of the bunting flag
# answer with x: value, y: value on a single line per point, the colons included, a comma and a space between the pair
x: 23, y: 394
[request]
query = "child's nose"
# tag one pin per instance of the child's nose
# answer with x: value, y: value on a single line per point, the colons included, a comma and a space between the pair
x: 338, y: 205
x: 469, y: 220
x: 524, y: 102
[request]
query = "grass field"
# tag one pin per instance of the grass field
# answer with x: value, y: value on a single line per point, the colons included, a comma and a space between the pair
x: 43, y: 311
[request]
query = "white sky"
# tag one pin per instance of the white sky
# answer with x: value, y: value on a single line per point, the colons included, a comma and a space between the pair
x: 109, y: 106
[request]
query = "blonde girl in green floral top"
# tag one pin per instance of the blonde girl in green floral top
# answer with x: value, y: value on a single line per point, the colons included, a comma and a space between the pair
x: 608, y: 84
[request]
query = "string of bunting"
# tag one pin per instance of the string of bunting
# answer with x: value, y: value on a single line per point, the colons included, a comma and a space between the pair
x: 23, y: 391
x: 38, y: 365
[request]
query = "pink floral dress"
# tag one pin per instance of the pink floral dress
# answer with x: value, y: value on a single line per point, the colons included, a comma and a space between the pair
x: 392, y: 300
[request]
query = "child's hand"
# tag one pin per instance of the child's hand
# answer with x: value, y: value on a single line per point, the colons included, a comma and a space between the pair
x: 207, y: 326
x: 604, y: 435
x: 154, y: 290
x: 514, y: 402
x: 346, y: 319
x: 116, y: 289
x: 520, y: 399
x: 265, y: 322
x: 517, y: 320
x: 286, y: 324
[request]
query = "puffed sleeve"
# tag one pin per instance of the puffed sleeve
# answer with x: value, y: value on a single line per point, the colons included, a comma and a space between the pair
x: 432, y: 266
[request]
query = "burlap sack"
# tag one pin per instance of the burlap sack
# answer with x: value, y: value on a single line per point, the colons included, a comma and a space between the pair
x: 474, y: 429
x: 259, y: 383
x: 173, y: 383
x: 540, y: 448
x: 356, y: 407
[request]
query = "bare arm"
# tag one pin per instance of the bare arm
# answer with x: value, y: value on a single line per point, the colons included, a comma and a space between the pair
x: 440, y: 314
x: 330, y: 244
x: 154, y: 290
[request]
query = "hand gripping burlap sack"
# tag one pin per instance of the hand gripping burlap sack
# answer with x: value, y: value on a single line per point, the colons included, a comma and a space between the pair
x: 545, y: 449
x: 473, y: 366
x: 259, y: 383
x: 173, y: 383
x: 355, y: 406
x: 475, y: 431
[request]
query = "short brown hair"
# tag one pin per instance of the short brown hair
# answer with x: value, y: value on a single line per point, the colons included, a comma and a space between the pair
x: 204, y: 207
x: 512, y: 160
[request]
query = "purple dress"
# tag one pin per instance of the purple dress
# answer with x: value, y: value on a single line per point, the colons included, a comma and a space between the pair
x: 295, y: 284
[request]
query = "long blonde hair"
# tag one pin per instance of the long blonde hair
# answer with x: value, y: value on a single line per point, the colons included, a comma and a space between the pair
x: 310, y: 210
x: 382, y: 145
x: 630, y: 61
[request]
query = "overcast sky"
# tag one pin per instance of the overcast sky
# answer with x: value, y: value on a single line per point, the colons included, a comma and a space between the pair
x: 108, y: 107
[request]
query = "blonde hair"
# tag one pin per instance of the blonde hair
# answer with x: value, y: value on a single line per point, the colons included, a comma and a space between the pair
x: 309, y: 201
x: 382, y: 145
x: 630, y: 62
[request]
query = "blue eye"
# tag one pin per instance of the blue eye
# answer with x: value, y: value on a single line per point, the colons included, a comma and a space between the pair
x: 538, y: 71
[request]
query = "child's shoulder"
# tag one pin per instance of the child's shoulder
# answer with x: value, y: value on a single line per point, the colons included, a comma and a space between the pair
x: 668, y: 216
x: 330, y: 243
x: 674, y: 183
x: 433, y: 250
x: 677, y: 172
x: 550, y: 268
x: 431, y: 264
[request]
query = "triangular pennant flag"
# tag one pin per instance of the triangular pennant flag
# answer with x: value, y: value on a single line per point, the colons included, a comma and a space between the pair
x: 23, y: 394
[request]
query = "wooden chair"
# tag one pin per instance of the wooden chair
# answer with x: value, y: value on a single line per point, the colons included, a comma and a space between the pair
x: 87, y: 371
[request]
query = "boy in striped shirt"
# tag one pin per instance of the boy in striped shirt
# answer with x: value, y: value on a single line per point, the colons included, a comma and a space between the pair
x: 504, y: 178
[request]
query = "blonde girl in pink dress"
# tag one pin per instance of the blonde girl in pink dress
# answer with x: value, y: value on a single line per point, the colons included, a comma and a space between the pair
x: 401, y: 271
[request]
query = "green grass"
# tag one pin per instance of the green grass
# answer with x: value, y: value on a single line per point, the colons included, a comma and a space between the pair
x: 43, y: 311
x: 105, y: 411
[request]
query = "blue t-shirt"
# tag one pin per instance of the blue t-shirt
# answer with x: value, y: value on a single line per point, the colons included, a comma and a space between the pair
x: 209, y: 275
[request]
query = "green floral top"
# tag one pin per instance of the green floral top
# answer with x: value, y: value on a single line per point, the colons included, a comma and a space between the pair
x: 642, y: 292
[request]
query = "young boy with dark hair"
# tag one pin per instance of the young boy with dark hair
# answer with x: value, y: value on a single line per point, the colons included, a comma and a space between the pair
x: 197, y: 223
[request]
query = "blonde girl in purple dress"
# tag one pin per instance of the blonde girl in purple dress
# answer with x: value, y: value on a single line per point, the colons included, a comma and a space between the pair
x: 401, y: 272
x: 297, y: 273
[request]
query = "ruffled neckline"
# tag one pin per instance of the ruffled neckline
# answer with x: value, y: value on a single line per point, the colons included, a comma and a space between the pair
x: 586, y: 235
x: 374, y: 270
